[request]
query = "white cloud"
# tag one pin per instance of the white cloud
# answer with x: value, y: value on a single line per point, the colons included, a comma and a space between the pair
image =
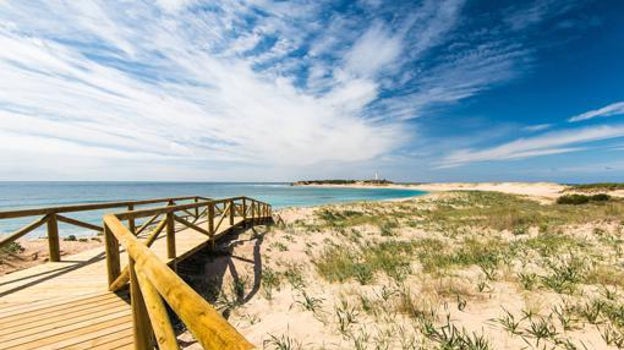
x: 549, y: 143
x: 272, y: 84
x: 537, y: 127
x: 174, y: 5
x: 61, y: 101
x: 607, y: 111
x: 527, y: 15
x: 374, y: 51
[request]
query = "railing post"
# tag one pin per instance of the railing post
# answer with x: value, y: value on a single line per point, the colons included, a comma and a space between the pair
x: 244, y: 209
x: 131, y: 222
x: 171, y: 244
x: 232, y: 212
x: 196, y: 200
x: 258, y: 212
x: 53, y: 239
x: 253, y: 213
x: 112, y: 255
x: 143, y: 333
x: 211, y: 215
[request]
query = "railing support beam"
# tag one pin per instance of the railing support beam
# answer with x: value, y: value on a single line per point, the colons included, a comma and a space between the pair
x: 131, y: 223
x: 113, y: 264
x: 53, y: 239
x: 232, y: 212
x: 211, y: 216
x: 171, y: 244
x: 244, y: 209
x: 142, y: 327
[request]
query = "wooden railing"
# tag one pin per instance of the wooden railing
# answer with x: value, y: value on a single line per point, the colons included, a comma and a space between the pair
x: 153, y: 284
x: 51, y: 216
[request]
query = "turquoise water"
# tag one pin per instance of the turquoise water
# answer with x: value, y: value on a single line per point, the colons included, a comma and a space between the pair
x: 15, y: 195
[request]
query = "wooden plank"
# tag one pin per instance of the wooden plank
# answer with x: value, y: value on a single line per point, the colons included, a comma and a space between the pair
x: 71, y: 313
x: 141, y: 325
x: 211, y: 215
x: 131, y: 222
x: 222, y: 217
x: 244, y: 209
x: 196, y: 200
x: 43, y: 306
x: 124, y: 277
x: 29, y: 326
x: 79, y: 223
x: 159, y: 318
x: 24, y: 230
x: 166, y: 209
x: 112, y: 255
x: 232, y: 212
x: 50, y: 336
x: 191, y: 225
x: 123, y: 343
x: 103, y: 339
x: 171, y: 241
x: 146, y: 224
x: 12, y: 214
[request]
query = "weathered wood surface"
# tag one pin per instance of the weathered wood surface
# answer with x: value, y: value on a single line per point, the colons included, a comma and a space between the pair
x: 92, y: 321
x: 66, y: 304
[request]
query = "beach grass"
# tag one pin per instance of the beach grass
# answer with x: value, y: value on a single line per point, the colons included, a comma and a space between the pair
x: 429, y: 272
x: 597, y: 187
x: 449, y: 270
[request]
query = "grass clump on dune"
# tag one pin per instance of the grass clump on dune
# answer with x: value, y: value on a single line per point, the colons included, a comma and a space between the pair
x: 577, y: 199
x: 337, y: 264
x: 597, y: 187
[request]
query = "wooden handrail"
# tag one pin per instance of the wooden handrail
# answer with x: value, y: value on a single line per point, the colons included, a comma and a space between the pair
x: 210, y: 329
x: 223, y: 215
x: 156, y: 282
x: 12, y: 214
x: 146, y: 224
x: 152, y: 283
x: 52, y: 215
x: 24, y: 230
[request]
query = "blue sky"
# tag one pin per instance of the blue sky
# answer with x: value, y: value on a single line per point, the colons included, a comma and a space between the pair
x: 433, y: 90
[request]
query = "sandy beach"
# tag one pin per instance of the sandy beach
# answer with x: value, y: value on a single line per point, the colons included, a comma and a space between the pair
x: 508, y: 269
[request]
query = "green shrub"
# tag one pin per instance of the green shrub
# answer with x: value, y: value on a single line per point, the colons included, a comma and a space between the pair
x: 13, y: 247
x: 70, y: 238
x: 600, y: 197
x: 605, y: 186
x: 574, y: 199
x: 577, y: 199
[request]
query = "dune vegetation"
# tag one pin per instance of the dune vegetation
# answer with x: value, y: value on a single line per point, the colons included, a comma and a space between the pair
x: 456, y: 270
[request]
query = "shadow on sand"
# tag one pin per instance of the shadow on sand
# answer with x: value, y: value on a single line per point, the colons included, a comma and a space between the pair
x: 207, y: 270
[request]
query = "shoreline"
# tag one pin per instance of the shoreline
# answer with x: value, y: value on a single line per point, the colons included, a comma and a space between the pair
x: 538, y: 190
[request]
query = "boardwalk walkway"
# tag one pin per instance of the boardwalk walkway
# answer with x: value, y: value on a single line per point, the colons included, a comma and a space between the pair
x: 68, y: 305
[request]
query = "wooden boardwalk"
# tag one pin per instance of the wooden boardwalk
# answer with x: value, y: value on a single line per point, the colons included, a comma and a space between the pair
x: 68, y: 305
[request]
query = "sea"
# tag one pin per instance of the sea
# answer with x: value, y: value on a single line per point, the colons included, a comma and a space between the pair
x: 21, y: 195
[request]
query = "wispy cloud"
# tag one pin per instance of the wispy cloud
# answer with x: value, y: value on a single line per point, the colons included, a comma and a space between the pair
x: 526, y: 15
x: 613, y: 109
x: 555, y: 142
x: 246, y: 82
x: 537, y: 127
